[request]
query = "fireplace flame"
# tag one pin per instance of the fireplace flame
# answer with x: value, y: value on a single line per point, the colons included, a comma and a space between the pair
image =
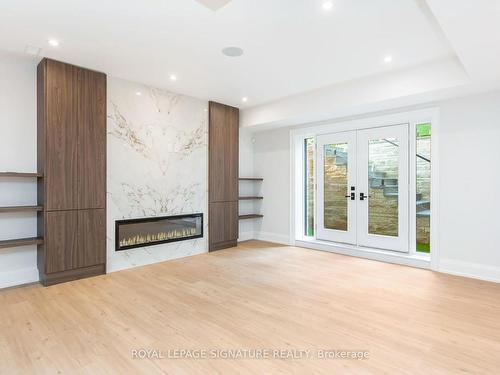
x: 161, y: 236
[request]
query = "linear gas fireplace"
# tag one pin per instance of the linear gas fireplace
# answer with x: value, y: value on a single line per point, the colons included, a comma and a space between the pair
x: 134, y: 233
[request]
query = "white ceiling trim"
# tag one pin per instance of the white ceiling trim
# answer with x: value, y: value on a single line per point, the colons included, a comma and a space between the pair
x: 402, y: 88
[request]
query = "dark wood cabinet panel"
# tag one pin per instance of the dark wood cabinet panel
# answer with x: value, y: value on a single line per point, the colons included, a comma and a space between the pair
x: 217, y: 155
x: 231, y: 166
x: 91, y: 237
x: 72, y: 160
x: 223, y: 152
x: 223, y: 175
x: 61, y: 132
x: 60, y: 241
x: 91, y: 139
x: 223, y: 224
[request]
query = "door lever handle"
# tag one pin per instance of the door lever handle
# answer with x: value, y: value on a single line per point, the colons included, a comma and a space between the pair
x: 352, y: 196
x: 362, y: 196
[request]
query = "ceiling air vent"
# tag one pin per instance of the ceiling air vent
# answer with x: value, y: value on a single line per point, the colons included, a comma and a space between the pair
x: 214, y: 4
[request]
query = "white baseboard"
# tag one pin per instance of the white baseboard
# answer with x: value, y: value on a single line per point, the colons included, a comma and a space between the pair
x: 19, y: 277
x: 468, y: 269
x: 264, y: 236
x: 273, y: 237
x: 246, y: 236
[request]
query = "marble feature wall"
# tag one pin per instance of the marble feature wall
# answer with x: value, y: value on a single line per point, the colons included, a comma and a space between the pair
x: 157, y: 165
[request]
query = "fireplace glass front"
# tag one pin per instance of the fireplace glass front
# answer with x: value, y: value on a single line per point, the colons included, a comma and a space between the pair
x: 134, y: 233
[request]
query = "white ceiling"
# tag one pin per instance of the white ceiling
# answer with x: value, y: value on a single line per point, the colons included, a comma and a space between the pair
x: 291, y: 46
x: 472, y: 29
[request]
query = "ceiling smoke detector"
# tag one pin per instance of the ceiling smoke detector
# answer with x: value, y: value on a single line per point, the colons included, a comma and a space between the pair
x: 214, y: 4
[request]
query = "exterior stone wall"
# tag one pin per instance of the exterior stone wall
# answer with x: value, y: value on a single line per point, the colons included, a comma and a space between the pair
x: 383, y: 210
x: 424, y: 187
x: 335, y: 202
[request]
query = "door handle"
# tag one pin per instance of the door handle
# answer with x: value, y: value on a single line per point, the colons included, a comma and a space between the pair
x: 362, y: 196
x: 352, y: 196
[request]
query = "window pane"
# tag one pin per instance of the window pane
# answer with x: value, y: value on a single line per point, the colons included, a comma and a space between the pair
x: 309, y: 186
x: 383, y: 175
x: 423, y: 188
x: 335, y: 202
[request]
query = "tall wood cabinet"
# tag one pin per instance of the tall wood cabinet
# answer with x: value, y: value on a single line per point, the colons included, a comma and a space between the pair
x: 223, y: 176
x: 72, y: 159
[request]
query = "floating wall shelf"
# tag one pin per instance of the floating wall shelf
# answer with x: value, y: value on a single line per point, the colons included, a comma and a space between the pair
x: 251, y: 216
x: 247, y: 198
x: 20, y: 174
x: 21, y: 208
x: 21, y: 242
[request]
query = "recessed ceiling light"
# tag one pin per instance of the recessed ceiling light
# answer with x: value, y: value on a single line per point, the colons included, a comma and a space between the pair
x: 232, y: 51
x: 54, y: 42
x: 388, y: 59
x: 328, y: 5
x: 173, y: 77
x: 138, y: 93
x: 244, y: 99
x: 214, y: 4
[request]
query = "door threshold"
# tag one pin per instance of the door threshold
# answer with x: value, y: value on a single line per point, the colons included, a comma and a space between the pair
x: 419, y: 261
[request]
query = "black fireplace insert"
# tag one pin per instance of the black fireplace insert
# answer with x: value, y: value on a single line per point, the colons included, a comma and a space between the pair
x: 133, y: 233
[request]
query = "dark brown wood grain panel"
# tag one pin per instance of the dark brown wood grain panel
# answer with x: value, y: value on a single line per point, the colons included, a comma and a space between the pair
x: 216, y: 223
x: 223, y: 152
x: 91, y: 237
x: 217, y: 155
x: 223, y: 225
x: 91, y: 139
x: 72, y: 160
x: 73, y: 274
x: 223, y: 175
x: 231, y: 213
x: 41, y: 77
x: 61, y: 134
x: 60, y: 244
x: 232, y: 154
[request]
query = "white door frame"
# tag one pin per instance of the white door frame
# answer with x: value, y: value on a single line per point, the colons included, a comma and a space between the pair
x: 297, y: 137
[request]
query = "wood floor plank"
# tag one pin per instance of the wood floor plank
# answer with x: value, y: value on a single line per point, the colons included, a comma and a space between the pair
x: 256, y: 296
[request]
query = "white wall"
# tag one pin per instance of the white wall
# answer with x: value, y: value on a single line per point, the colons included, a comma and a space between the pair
x: 247, y: 188
x: 469, y: 185
x: 17, y: 154
x: 272, y: 162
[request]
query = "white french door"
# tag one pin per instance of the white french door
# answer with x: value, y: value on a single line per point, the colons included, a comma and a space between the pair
x: 336, y: 181
x: 363, y: 187
x: 383, y: 188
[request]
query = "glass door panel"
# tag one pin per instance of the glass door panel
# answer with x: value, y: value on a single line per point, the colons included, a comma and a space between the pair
x: 336, y: 210
x: 383, y: 188
x: 335, y: 186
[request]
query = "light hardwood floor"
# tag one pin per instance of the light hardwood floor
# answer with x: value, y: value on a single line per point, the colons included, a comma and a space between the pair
x: 256, y: 296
